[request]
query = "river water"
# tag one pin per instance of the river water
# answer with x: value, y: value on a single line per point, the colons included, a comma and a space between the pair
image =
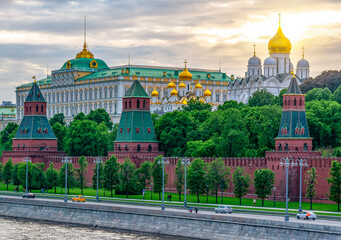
x: 20, y: 229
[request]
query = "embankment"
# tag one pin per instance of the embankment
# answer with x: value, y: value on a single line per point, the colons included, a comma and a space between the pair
x: 177, y: 224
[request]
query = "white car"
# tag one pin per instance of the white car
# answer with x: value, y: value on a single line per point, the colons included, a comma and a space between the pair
x: 223, y: 209
x: 306, y: 215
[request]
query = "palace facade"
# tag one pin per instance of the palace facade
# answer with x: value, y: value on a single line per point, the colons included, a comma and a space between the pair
x: 86, y: 83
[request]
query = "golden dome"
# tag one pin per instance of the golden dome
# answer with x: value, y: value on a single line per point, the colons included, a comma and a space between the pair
x: 182, y: 85
x: 174, y: 92
x: 171, y: 85
x: 198, y: 85
x: 207, y: 93
x: 84, y: 53
x: 185, y: 74
x: 279, y: 43
x: 155, y: 93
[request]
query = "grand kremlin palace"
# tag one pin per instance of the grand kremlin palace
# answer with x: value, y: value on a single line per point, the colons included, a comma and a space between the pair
x: 87, y: 83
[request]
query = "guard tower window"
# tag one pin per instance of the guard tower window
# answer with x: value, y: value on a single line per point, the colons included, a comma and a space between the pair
x: 300, y: 101
x: 37, y: 108
x: 138, y: 103
x: 280, y: 147
x: 137, y: 130
x: 42, y: 108
x: 119, y: 147
x: 129, y: 103
x: 286, y: 147
x: 294, y: 101
x: 150, y: 148
x: 125, y: 104
x: 145, y: 103
x: 126, y: 147
x: 139, y: 148
x: 305, y: 147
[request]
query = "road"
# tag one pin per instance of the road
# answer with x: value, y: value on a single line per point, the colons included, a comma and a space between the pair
x: 279, y: 217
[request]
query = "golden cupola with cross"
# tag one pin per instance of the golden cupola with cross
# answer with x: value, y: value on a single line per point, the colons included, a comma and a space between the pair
x: 185, y: 75
x: 279, y: 43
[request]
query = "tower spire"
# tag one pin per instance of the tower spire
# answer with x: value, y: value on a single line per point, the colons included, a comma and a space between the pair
x: 85, y: 31
x: 302, y: 52
x: 254, y: 50
x: 279, y: 18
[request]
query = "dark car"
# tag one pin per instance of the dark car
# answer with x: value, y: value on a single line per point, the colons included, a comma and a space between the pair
x: 28, y: 195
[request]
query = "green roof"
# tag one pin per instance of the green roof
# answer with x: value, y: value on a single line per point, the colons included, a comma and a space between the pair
x: 84, y: 64
x: 136, y: 90
x: 35, y: 94
x: 8, y: 110
x: 158, y: 72
x: 293, y: 87
x: 43, y: 81
x: 130, y: 122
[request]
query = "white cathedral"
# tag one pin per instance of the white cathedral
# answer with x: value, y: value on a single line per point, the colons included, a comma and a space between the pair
x: 275, y: 74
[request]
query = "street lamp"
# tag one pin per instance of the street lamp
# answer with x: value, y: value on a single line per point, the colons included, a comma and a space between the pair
x: 301, y: 163
x: 222, y: 184
x: 27, y: 160
x: 287, y: 163
x: 98, y: 161
x: 274, y: 189
x: 66, y: 161
x: 185, y: 161
x: 163, y: 162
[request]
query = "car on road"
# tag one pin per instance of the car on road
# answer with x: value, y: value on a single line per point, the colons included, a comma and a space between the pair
x: 78, y: 198
x: 306, y: 215
x: 29, y: 195
x: 223, y: 209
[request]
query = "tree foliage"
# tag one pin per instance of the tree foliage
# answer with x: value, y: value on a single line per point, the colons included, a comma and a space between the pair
x: 157, y: 175
x: 180, y: 178
x: 261, y: 98
x: 327, y: 79
x: 264, y: 180
x: 7, y: 135
x: 7, y: 172
x: 51, y: 176
x: 81, y: 172
x: 335, y: 183
x: 57, y: 118
x: 241, y: 183
x: 127, y: 178
x: 311, y: 181
x: 217, y: 174
x: 110, y: 174
x: 60, y: 132
x: 71, y: 180
x: 99, y: 116
x: 196, y: 177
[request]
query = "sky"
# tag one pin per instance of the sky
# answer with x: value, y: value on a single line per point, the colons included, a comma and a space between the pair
x: 37, y: 36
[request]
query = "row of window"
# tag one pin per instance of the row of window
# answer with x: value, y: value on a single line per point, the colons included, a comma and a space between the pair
x: 128, y: 103
x: 287, y: 102
x: 138, y: 149
x: 286, y: 147
x: 137, y: 130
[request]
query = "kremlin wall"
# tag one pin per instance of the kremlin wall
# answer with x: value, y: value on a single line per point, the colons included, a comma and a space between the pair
x: 136, y: 140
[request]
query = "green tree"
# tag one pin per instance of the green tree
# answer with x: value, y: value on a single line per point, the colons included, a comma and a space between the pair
x: 310, y: 180
x: 1, y: 169
x: 241, y: 183
x: 22, y: 175
x: 180, y: 178
x: 60, y: 132
x: 80, y: 116
x: 157, y: 175
x: 99, y: 116
x: 319, y: 94
x: 337, y: 94
x: 216, y: 174
x: 260, y: 98
x: 15, y: 176
x: 196, y: 177
x: 264, y: 180
x: 7, y: 135
x: 81, y: 172
x: 330, y: 79
x: 7, y: 172
x: 51, y: 176
x: 143, y: 174
x: 57, y: 118
x: 110, y: 174
x: 112, y: 137
x: 100, y: 176
x: 335, y: 183
x: 126, y: 177
x: 193, y: 105
x: 38, y: 176
x: 86, y: 138
x: 231, y: 104
x: 71, y: 181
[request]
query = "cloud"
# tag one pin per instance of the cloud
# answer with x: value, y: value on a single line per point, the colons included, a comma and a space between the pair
x: 34, y: 34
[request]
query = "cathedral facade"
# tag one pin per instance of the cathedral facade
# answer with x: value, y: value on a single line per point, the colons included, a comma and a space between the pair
x: 86, y: 83
x: 275, y: 74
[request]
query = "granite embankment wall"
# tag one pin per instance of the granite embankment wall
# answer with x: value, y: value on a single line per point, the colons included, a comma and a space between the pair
x: 176, y: 224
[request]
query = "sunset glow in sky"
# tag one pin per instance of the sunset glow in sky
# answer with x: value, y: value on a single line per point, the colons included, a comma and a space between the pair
x: 35, y: 34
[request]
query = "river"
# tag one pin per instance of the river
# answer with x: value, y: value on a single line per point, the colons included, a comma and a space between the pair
x: 20, y: 229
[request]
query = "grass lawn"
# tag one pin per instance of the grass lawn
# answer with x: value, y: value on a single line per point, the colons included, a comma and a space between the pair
x: 190, y: 198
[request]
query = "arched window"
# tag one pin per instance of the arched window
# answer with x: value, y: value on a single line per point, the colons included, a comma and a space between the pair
x: 129, y: 103
x: 294, y: 101
x: 100, y: 93
x: 300, y: 101
x: 86, y: 94
x: 289, y: 102
x: 138, y: 103
x: 116, y: 91
x: 144, y: 103
x: 81, y: 95
x: 126, y: 147
x: 110, y: 92
x: 296, y: 148
x: 125, y: 104
x: 42, y: 108
x: 115, y: 107
x: 119, y: 147
x: 105, y: 93
x: 280, y: 147
x: 139, y: 148
x: 90, y: 94
x: 286, y: 147
x: 305, y: 147
x: 285, y: 102
x: 150, y: 148
x: 37, y: 108
x: 96, y: 91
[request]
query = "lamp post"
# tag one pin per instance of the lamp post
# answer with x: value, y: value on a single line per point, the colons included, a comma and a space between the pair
x: 301, y: 163
x: 66, y: 161
x: 98, y: 161
x: 274, y: 189
x: 185, y: 161
x: 27, y: 160
x: 287, y: 162
x: 151, y: 192
x: 163, y: 162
